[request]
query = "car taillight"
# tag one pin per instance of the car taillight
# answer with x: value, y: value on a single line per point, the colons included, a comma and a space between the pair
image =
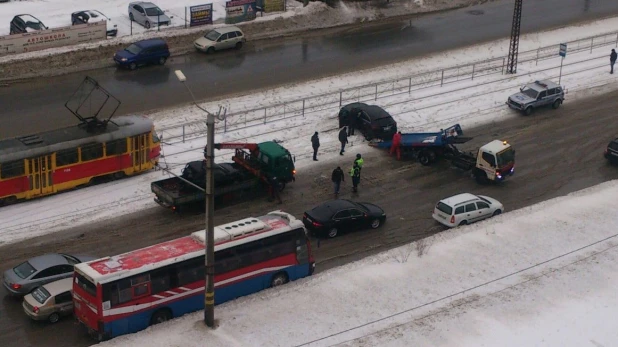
x: 16, y: 286
x: 452, y: 219
x: 316, y: 224
x: 35, y: 309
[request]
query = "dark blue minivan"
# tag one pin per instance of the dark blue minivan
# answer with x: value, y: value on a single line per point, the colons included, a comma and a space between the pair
x: 152, y: 51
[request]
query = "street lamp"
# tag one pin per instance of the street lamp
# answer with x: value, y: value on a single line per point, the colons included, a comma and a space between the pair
x: 209, y: 293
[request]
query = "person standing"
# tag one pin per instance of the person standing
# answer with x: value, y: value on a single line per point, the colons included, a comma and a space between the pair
x: 352, y: 122
x: 396, y: 145
x: 337, y: 177
x: 315, y: 143
x: 359, y: 161
x: 355, y: 173
x: 343, y: 138
x: 612, y: 60
x: 274, y: 189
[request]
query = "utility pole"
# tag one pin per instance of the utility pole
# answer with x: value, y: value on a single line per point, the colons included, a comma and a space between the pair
x: 511, y: 65
x: 209, y: 293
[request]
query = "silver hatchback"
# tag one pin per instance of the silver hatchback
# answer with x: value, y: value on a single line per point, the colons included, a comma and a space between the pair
x: 147, y: 14
x: 40, y: 270
x: 220, y: 39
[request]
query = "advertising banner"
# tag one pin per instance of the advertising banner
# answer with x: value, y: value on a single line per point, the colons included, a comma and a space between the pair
x: 237, y: 11
x: 274, y: 5
x: 200, y: 15
x: 56, y: 37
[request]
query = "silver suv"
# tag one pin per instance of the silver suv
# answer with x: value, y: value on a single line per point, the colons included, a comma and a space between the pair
x: 537, y: 94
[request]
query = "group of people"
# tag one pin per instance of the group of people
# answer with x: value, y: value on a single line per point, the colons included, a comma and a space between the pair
x: 338, y: 175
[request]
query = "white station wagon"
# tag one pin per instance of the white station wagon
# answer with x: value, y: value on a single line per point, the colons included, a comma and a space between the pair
x: 466, y: 208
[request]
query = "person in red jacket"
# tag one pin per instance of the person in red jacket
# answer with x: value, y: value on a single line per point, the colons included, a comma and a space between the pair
x: 396, y: 145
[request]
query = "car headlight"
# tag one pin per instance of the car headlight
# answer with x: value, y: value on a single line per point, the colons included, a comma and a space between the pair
x: 123, y: 59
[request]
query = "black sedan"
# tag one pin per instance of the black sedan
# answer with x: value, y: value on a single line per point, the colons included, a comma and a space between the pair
x: 372, y: 121
x: 340, y: 216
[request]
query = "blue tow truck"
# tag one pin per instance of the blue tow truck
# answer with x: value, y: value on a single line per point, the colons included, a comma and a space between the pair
x: 493, y: 162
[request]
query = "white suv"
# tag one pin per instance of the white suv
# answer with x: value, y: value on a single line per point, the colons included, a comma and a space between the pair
x: 466, y: 208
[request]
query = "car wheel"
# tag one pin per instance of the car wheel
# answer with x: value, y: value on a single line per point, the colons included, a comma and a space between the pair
x: 463, y: 222
x: 162, y: 60
x: 332, y: 232
x: 160, y: 317
x: 496, y: 212
x: 238, y: 45
x: 528, y: 110
x: 375, y: 223
x: 131, y: 17
x: 279, y: 279
x: 556, y: 104
x: 132, y: 66
x: 210, y: 50
x: 54, y: 317
x: 147, y: 25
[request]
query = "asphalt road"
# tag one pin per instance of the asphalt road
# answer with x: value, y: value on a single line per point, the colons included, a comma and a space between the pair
x: 37, y: 105
x: 558, y: 151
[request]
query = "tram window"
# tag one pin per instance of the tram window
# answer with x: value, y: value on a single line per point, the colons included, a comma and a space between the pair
x: 12, y: 169
x: 67, y: 157
x: 116, y: 147
x: 92, y: 151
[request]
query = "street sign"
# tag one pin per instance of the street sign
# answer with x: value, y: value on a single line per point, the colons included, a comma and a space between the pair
x: 563, y: 49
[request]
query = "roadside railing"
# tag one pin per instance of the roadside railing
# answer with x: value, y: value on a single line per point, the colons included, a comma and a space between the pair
x: 293, y: 109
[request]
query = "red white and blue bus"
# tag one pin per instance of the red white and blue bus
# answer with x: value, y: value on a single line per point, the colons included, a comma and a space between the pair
x: 127, y: 293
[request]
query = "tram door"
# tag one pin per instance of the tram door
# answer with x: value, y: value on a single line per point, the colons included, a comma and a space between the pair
x: 139, y: 152
x: 40, y: 175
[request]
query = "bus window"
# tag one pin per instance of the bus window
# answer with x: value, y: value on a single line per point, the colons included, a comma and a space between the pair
x: 67, y: 157
x: 12, y: 169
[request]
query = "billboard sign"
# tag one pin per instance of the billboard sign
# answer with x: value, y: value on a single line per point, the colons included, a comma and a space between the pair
x: 237, y: 11
x: 56, y: 37
x: 274, y: 5
x: 200, y: 15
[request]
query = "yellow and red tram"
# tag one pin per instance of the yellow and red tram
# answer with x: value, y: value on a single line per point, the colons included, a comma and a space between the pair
x: 57, y: 160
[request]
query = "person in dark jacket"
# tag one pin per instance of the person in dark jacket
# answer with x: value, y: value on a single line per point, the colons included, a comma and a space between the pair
x: 343, y: 138
x: 315, y: 143
x: 612, y: 60
x: 355, y: 173
x: 274, y: 189
x: 352, y: 122
x: 337, y: 177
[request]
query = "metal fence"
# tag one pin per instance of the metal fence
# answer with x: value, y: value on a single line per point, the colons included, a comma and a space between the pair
x: 372, y: 92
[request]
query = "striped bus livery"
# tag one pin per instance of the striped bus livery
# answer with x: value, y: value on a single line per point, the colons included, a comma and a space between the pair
x: 53, y: 161
x: 127, y: 293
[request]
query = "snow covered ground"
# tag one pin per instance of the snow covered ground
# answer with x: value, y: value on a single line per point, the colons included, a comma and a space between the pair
x: 468, y: 102
x: 544, y: 275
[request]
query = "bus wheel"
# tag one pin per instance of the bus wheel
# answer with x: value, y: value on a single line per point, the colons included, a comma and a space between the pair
x: 279, y: 279
x: 161, y: 316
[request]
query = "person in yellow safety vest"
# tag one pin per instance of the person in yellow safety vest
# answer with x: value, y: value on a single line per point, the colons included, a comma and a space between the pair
x: 359, y: 161
x: 355, y: 173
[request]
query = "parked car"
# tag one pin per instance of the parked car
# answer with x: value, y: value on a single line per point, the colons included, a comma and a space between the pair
x: 40, y: 270
x: 340, y: 216
x: 82, y: 17
x: 151, y: 51
x: 50, y: 301
x: 26, y: 23
x: 147, y: 14
x: 372, y: 121
x: 466, y: 208
x: 220, y: 39
x: 224, y: 173
x: 536, y: 94
x: 611, y: 151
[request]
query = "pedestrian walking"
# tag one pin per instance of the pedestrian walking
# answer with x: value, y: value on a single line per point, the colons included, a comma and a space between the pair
x: 359, y: 161
x: 355, y: 172
x: 396, y: 145
x: 337, y: 177
x: 343, y: 138
x: 612, y: 60
x: 315, y: 143
x: 274, y: 190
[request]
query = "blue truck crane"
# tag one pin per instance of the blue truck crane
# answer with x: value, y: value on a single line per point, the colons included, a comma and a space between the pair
x: 493, y: 162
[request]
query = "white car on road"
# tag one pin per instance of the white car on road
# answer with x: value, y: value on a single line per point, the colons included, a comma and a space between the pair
x: 466, y: 208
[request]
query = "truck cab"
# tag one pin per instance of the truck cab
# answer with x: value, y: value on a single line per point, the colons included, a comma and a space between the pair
x: 275, y: 161
x: 494, y: 162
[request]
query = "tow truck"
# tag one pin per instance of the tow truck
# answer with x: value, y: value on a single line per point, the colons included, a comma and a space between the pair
x: 493, y: 162
x: 253, y: 168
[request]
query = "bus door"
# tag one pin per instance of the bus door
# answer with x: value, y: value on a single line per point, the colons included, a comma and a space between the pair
x: 40, y: 175
x: 139, y: 152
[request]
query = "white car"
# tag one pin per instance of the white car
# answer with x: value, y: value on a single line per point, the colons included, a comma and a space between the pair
x: 83, y: 17
x: 466, y: 208
x: 220, y: 39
